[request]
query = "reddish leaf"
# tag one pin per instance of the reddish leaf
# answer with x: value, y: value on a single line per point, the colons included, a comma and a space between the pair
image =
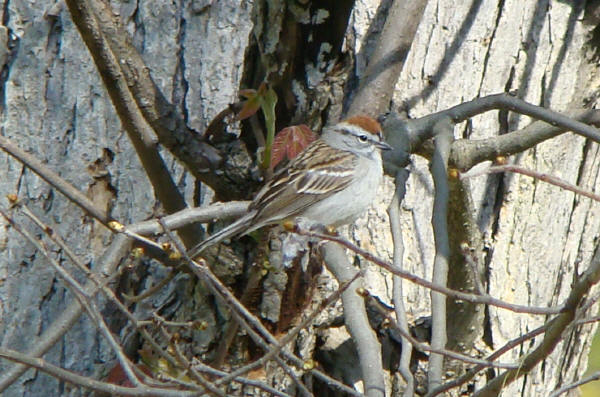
x: 250, y: 107
x: 262, y: 89
x: 117, y: 375
x: 254, y: 99
x: 290, y: 141
x: 247, y: 93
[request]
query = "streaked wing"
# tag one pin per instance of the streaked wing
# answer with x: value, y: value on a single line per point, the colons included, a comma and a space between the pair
x: 312, y: 176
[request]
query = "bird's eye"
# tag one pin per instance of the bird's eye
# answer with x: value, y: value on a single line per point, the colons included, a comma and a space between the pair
x: 363, y: 138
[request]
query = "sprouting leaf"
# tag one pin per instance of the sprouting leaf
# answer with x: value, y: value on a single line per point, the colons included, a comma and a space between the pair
x: 250, y: 106
x: 265, y: 98
x: 290, y: 141
x: 255, y: 99
x: 247, y: 93
x: 269, y: 100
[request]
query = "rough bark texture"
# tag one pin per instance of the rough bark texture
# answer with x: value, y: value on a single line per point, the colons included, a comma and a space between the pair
x: 537, y: 237
x: 54, y: 106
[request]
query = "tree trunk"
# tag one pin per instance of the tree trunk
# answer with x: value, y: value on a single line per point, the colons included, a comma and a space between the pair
x: 536, y: 238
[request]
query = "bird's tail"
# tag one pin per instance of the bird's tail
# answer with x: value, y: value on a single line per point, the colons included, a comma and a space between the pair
x: 229, y: 231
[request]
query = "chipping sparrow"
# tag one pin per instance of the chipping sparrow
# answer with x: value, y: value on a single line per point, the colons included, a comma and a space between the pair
x: 331, y: 182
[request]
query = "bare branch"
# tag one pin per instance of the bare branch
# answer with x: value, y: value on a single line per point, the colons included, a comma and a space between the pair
x: 250, y: 382
x: 467, y: 152
x: 538, y: 175
x: 211, y: 213
x: 153, y: 289
x: 357, y: 322
x: 554, y: 331
x: 398, y: 295
x: 385, y: 64
x: 243, y: 316
x: 105, y: 271
x: 591, y: 378
x: 424, y: 347
x: 483, y: 299
x: 289, y: 336
x: 473, y: 371
x: 109, y: 61
x: 129, y: 84
x: 439, y: 219
x: 70, y: 377
x: 55, y: 180
x: 84, y: 300
x: 186, y: 365
x: 409, y: 135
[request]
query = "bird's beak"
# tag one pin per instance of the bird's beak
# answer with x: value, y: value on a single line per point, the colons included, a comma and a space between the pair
x: 383, y: 146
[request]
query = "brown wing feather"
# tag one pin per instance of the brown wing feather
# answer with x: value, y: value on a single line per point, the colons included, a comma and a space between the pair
x: 310, y: 177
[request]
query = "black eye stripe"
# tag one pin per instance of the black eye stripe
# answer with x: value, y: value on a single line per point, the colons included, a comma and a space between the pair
x: 367, y: 136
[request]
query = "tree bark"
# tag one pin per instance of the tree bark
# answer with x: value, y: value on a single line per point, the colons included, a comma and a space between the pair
x: 535, y: 238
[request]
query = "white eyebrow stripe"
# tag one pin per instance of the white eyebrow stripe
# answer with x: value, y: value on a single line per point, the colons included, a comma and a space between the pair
x: 357, y: 131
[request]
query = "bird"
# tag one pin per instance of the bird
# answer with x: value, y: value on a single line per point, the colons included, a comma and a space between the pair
x: 331, y: 182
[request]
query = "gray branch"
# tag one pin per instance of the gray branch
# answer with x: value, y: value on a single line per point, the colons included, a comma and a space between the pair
x: 398, y: 295
x: 357, y: 322
x: 408, y: 136
x: 377, y: 85
x: 439, y: 171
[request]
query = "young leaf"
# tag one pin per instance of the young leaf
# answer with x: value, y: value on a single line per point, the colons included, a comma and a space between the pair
x: 254, y: 100
x: 290, y: 141
x: 269, y: 100
x: 250, y: 106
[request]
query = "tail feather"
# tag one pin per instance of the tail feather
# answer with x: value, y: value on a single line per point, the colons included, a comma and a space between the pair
x: 229, y: 231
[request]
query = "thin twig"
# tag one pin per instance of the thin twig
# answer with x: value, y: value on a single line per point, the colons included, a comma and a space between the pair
x: 151, y: 290
x: 105, y: 270
x: 243, y: 315
x: 184, y: 363
x: 473, y: 298
x: 433, y: 350
x: 473, y: 371
x: 293, y: 332
x: 93, y: 277
x: 245, y: 381
x: 89, y: 383
x: 84, y: 299
x: 554, y: 331
x: 55, y: 181
x: 591, y: 378
x: 551, y: 179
